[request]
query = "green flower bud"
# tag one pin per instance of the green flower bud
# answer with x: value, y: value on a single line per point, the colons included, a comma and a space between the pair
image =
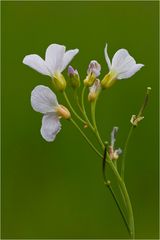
x: 74, y: 77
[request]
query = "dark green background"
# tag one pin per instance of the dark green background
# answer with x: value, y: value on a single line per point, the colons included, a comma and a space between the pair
x: 55, y: 190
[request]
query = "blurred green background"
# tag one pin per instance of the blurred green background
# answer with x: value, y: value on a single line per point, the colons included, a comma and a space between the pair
x: 55, y: 190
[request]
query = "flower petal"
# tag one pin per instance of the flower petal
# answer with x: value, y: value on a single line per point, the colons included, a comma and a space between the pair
x: 122, y: 59
x: 107, y: 57
x: 130, y: 72
x: 37, y: 63
x: 50, y: 127
x: 68, y: 56
x: 43, y: 100
x: 54, y: 57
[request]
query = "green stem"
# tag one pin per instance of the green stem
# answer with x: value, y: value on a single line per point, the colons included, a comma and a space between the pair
x: 93, y: 114
x: 145, y: 102
x: 125, y: 151
x: 108, y: 184
x: 77, y: 100
x: 121, y: 183
x: 127, y: 199
x: 94, y: 126
x: 84, y: 110
x: 141, y: 111
x: 86, y: 138
x: 72, y: 109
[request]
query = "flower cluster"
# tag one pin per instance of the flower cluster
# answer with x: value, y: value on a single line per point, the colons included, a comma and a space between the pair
x: 43, y: 100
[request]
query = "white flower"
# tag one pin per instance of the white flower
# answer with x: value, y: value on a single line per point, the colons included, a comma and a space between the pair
x: 43, y: 100
x: 56, y: 60
x: 122, y: 66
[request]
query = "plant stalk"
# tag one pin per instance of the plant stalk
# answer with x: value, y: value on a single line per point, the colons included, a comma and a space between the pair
x: 72, y: 109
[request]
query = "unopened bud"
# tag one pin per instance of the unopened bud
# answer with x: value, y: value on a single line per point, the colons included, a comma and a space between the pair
x: 74, y: 77
x: 59, y: 82
x: 94, y: 90
x: 89, y: 80
x: 94, y: 67
x: 93, y: 72
x: 63, y: 112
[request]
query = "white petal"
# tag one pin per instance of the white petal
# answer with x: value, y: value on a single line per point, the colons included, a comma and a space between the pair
x: 43, y: 100
x: 121, y: 60
x: 68, y: 56
x: 37, y: 63
x: 50, y: 127
x: 54, y: 57
x: 130, y: 72
x: 107, y: 57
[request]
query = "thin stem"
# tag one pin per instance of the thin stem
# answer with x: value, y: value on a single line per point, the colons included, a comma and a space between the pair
x: 77, y: 100
x: 94, y: 126
x: 125, y: 151
x: 86, y: 138
x: 84, y: 110
x: 140, y: 113
x: 123, y: 187
x: 93, y: 114
x: 72, y: 109
x: 145, y: 102
x: 127, y: 198
x: 104, y: 162
x: 108, y: 184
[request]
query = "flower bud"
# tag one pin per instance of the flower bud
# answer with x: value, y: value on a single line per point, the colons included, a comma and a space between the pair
x: 74, y: 77
x: 63, y: 112
x: 94, y: 67
x: 108, y: 80
x: 89, y: 80
x: 93, y: 72
x: 94, y: 90
x: 59, y: 82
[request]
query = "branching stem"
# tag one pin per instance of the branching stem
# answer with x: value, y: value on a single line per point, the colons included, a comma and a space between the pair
x: 93, y: 114
x: 125, y: 151
x: 84, y: 110
x: 86, y: 138
x: 72, y: 109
